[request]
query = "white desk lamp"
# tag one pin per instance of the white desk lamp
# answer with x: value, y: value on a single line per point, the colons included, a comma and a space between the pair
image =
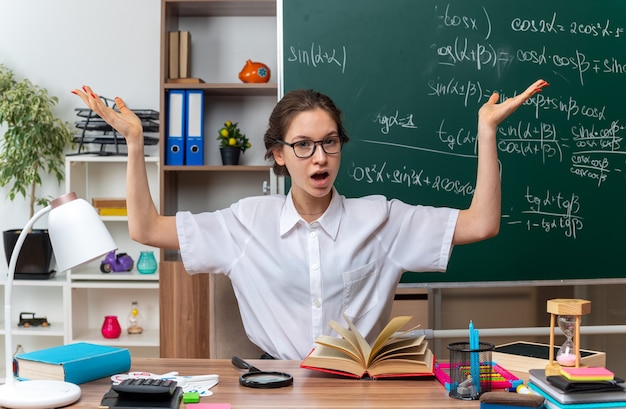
x: 78, y: 236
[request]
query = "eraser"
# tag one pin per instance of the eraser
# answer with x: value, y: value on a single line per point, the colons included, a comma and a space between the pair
x: 587, y: 374
x: 493, y: 400
x: 191, y: 397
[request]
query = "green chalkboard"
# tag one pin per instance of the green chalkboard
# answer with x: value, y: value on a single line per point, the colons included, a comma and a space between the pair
x: 410, y: 76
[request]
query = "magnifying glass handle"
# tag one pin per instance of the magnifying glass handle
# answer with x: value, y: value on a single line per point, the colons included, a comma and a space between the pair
x: 241, y: 364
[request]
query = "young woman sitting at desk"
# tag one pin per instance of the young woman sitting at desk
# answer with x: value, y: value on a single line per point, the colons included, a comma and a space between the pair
x: 298, y: 261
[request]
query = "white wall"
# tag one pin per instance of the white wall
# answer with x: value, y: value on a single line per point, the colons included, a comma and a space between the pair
x: 111, y: 45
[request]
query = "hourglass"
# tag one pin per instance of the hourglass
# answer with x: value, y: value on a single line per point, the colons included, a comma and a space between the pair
x: 567, y: 353
x: 134, y: 319
x: 568, y: 312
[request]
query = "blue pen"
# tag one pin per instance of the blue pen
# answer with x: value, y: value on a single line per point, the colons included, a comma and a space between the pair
x: 474, y: 357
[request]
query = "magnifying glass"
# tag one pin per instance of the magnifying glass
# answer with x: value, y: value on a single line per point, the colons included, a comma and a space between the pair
x: 256, y: 378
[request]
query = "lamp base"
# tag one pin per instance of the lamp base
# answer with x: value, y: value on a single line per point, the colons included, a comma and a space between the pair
x: 38, y: 394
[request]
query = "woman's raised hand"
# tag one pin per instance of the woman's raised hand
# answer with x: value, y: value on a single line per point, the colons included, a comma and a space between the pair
x: 492, y: 113
x: 125, y: 121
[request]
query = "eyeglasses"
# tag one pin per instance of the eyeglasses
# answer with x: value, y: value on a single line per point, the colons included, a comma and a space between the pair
x: 306, y: 148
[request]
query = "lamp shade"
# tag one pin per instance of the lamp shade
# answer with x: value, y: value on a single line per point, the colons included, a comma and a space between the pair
x: 77, y: 233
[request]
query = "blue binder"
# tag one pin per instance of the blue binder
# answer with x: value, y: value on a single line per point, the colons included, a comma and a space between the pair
x: 194, y: 141
x: 175, y: 138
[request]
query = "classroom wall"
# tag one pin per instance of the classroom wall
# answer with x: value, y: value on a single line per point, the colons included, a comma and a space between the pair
x: 111, y: 45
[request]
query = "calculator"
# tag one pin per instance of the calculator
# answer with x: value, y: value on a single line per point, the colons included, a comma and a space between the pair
x: 145, y: 388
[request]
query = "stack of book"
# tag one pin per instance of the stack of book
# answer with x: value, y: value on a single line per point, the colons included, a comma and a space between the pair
x: 75, y: 363
x: 570, y: 392
x: 110, y: 206
x: 179, y: 58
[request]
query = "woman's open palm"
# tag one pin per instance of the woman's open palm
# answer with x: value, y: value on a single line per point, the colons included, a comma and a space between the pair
x: 125, y: 121
x: 492, y: 113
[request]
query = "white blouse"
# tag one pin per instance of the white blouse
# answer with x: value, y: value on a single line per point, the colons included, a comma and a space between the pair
x: 292, y: 277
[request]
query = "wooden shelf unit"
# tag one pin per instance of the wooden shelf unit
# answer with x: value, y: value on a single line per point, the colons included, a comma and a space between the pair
x: 222, y: 39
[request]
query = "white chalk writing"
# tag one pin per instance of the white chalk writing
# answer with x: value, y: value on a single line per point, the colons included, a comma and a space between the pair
x: 316, y: 56
x: 551, y: 212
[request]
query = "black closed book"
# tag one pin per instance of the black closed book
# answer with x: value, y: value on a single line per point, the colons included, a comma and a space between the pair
x: 112, y: 400
x: 570, y: 386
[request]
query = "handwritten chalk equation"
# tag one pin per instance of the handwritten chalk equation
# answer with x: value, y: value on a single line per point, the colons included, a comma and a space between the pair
x: 577, y: 60
x: 550, y: 212
x: 457, y: 138
x: 482, y: 54
x: 316, y: 56
x: 476, y: 92
x: 530, y: 139
x: 475, y: 23
x: 551, y: 25
x: 548, y: 23
x: 538, y: 25
x: 470, y: 90
x: 595, y: 149
x: 394, y: 120
x: 479, y: 54
x: 486, y: 55
x: 570, y: 106
x: 589, y: 168
x: 383, y: 172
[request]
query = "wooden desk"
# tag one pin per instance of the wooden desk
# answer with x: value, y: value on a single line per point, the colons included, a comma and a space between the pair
x: 310, y: 389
